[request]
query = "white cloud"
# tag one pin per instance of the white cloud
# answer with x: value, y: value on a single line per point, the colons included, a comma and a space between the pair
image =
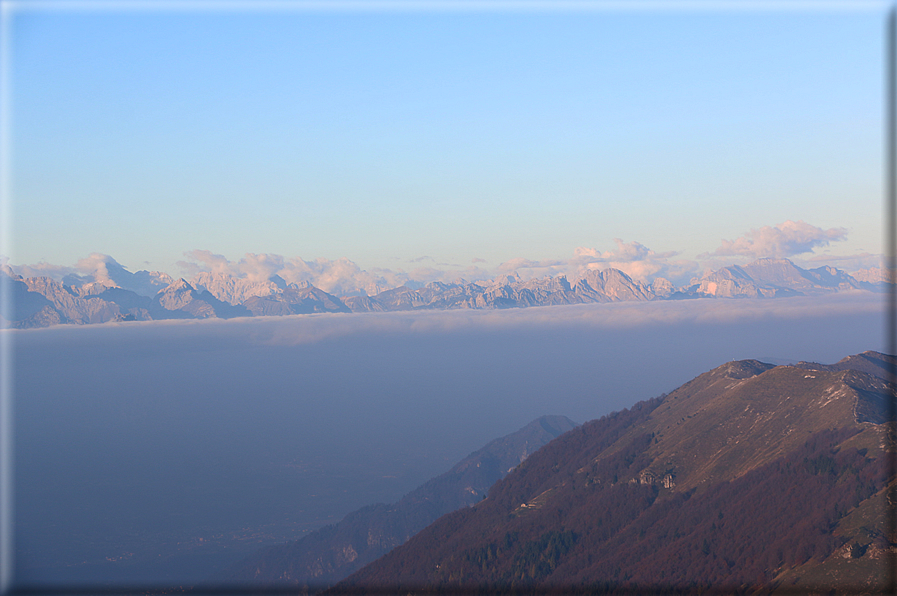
x: 102, y: 268
x: 625, y: 252
x: 633, y: 258
x: 260, y: 267
x: 848, y: 263
x: 529, y: 269
x: 784, y: 240
x: 94, y: 267
x: 42, y: 269
x: 344, y: 277
x: 341, y: 277
x: 205, y: 260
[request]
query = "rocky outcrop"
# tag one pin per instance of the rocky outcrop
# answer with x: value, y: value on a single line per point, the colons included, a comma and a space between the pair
x: 730, y: 282
x: 180, y: 300
x: 71, y: 307
x: 236, y: 290
x: 295, y: 300
x: 611, y: 285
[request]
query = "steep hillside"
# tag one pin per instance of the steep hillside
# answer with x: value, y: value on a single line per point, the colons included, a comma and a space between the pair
x: 332, y: 553
x: 748, y: 477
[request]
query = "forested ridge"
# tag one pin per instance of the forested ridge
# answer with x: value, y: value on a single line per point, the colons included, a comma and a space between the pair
x: 615, y: 506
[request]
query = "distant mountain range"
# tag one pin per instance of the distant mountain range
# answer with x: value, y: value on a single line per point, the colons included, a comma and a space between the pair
x: 143, y: 296
x: 749, y: 478
x: 329, y: 554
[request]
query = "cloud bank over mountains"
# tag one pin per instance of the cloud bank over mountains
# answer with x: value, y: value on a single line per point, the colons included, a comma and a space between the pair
x: 340, y: 276
x: 785, y: 240
x: 99, y: 289
x: 343, y: 277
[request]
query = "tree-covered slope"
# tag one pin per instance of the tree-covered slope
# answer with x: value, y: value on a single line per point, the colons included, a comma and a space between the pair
x: 735, y: 481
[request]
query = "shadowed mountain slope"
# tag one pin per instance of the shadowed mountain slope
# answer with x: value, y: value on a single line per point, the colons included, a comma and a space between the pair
x: 879, y: 365
x: 180, y: 300
x: 748, y: 477
x: 327, y: 555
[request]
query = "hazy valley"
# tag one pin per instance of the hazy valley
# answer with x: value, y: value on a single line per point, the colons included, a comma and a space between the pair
x: 168, y: 451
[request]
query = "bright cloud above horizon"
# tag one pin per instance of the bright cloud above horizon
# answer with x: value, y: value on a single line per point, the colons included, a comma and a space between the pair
x: 343, y: 276
x: 782, y: 241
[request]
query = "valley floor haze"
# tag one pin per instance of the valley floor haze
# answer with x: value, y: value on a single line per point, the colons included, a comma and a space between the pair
x: 163, y: 450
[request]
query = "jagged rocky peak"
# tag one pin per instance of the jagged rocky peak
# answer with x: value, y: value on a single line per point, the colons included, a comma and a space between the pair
x: 181, y: 285
x: 95, y: 287
x: 561, y: 281
x: 236, y: 290
x: 764, y: 278
x: 662, y: 287
x: 731, y: 273
x: 730, y: 282
x: 505, y: 280
x: 438, y: 285
x: 776, y: 271
x: 612, y: 284
x: 597, y: 278
x: 176, y: 296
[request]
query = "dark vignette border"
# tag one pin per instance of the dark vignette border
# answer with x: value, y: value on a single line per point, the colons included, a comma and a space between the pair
x: 8, y: 587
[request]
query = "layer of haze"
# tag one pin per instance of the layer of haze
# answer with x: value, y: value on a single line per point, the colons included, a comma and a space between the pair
x: 161, y: 451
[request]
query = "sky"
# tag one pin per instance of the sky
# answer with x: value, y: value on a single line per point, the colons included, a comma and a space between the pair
x: 456, y: 141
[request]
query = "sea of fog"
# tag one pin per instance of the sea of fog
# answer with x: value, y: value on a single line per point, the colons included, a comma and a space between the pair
x: 160, y: 452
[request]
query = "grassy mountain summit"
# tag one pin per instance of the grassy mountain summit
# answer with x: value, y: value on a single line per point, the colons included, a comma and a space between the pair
x: 750, y: 476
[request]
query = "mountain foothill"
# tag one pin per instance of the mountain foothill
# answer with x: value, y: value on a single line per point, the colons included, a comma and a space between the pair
x: 144, y: 296
x: 329, y: 554
x: 749, y: 478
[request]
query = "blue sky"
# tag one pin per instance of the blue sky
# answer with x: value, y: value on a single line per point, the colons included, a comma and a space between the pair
x: 387, y: 136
